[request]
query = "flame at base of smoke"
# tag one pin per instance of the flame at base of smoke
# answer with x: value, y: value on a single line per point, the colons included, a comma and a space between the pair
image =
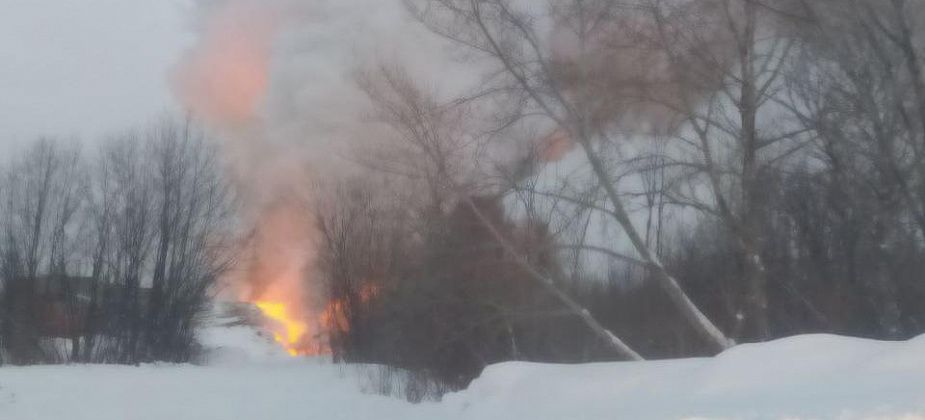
x: 295, y: 333
x: 289, y: 331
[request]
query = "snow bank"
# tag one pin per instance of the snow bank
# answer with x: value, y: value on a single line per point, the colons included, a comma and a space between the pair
x: 805, y: 377
x: 303, y: 390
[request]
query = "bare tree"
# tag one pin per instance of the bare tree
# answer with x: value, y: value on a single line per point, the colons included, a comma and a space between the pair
x: 858, y: 87
x: 132, y: 241
x: 434, y: 133
x: 43, y: 194
x: 191, y: 230
x: 725, y: 59
x: 529, y: 71
x: 100, y: 215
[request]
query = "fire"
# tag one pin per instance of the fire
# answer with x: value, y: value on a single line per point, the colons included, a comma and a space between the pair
x: 277, y: 278
x: 305, y: 335
x: 290, y: 331
x: 224, y: 79
x: 334, y: 317
x: 293, y: 333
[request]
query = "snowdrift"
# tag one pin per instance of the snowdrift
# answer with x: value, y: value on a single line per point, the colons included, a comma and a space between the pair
x: 804, y: 377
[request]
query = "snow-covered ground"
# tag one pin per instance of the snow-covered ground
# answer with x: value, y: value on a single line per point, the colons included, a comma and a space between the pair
x: 805, y: 377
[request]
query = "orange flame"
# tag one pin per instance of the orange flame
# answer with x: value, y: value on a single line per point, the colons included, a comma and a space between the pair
x: 290, y: 332
x: 276, y: 277
x: 224, y: 79
x: 334, y: 317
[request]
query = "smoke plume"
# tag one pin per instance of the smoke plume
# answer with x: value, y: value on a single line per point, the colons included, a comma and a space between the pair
x: 274, y: 79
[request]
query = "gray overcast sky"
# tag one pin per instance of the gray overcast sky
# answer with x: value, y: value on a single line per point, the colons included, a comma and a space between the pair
x: 86, y: 67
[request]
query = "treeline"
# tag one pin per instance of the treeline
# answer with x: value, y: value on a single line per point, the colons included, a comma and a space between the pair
x: 677, y: 176
x: 107, y: 254
x: 696, y: 174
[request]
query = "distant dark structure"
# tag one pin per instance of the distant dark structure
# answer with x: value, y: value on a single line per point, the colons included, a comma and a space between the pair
x: 66, y: 306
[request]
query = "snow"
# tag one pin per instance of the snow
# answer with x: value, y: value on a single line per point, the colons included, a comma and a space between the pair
x: 803, y: 377
x: 239, y: 345
x: 280, y: 391
x: 247, y: 377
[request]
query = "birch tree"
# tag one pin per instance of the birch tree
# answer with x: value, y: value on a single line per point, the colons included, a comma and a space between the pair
x: 526, y: 70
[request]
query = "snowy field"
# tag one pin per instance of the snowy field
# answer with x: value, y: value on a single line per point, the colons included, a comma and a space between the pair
x: 806, y: 377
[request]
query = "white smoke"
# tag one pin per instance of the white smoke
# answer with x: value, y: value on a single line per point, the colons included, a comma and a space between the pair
x: 275, y: 80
